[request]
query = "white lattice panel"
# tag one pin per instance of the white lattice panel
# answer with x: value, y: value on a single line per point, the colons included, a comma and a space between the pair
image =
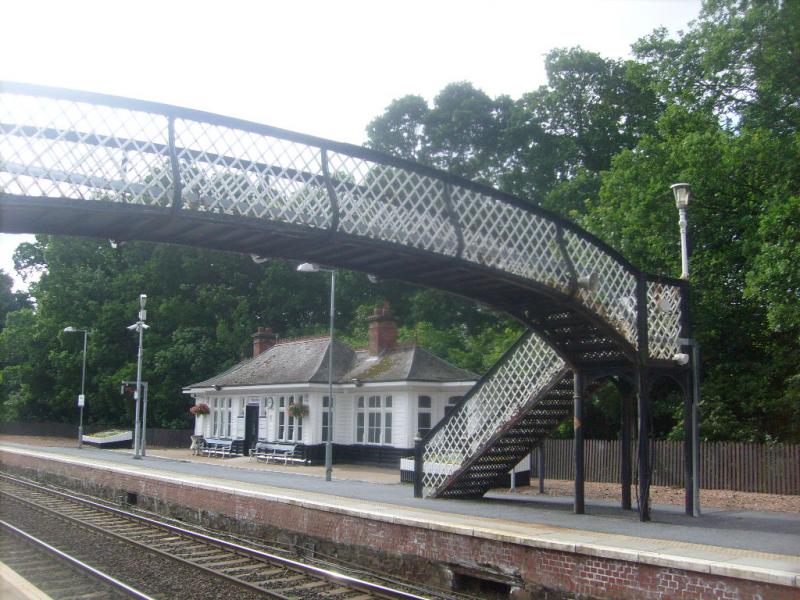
x: 393, y: 205
x: 525, y: 373
x: 500, y: 235
x: 68, y: 149
x: 236, y: 172
x: 663, y: 319
x: 615, y: 297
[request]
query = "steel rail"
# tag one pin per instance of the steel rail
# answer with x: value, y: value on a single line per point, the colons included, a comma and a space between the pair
x: 334, y: 576
x: 80, y: 565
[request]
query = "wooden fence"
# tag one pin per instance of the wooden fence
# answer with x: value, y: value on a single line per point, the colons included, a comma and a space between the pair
x: 771, y: 469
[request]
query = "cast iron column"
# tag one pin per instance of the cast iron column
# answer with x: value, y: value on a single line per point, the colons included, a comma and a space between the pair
x: 644, y: 463
x: 578, y: 424
x: 627, y: 468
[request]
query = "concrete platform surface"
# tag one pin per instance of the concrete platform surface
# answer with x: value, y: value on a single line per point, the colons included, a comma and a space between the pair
x: 759, y: 546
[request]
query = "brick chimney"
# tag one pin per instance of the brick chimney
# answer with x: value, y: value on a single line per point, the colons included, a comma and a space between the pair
x: 382, y: 330
x: 263, y: 340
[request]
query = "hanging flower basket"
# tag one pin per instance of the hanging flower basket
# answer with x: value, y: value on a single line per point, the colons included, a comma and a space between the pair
x: 199, y: 409
x: 298, y: 410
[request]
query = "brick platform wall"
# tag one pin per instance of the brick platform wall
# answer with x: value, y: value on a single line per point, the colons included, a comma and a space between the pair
x: 418, y: 553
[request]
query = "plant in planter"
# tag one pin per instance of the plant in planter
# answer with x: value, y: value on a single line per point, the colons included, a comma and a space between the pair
x: 199, y: 409
x: 298, y: 410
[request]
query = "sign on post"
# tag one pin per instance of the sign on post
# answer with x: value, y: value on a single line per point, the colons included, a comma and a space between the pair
x: 81, y: 400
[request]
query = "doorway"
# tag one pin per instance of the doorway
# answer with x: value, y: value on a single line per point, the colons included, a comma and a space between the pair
x: 250, y: 427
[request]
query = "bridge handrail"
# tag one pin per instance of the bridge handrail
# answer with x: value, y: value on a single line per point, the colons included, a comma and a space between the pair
x: 103, y: 147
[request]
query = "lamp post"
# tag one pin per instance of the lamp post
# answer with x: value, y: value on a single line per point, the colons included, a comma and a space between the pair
x: 683, y: 194
x: 315, y: 268
x: 139, y: 326
x: 82, y: 397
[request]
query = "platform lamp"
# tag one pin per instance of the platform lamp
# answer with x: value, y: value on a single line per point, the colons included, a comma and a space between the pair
x: 82, y: 397
x: 315, y: 268
x: 139, y: 326
x: 683, y: 195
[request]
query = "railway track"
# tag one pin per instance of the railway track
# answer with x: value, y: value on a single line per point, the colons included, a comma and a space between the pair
x: 56, y: 573
x: 243, y: 571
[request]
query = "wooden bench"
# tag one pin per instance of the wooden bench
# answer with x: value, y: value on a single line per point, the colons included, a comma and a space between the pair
x: 218, y: 447
x: 276, y: 452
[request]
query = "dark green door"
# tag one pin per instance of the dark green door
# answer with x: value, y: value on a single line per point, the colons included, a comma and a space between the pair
x: 250, y: 428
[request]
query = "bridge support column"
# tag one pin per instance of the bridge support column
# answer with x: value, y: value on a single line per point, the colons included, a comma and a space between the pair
x: 578, y: 425
x: 626, y: 474
x: 418, y: 468
x: 540, y: 465
x: 644, y: 445
x: 688, y: 446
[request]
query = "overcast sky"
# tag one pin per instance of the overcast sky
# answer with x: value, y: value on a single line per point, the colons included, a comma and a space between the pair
x: 320, y: 67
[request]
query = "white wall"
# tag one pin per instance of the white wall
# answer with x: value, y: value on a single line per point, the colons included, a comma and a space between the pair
x: 404, y: 411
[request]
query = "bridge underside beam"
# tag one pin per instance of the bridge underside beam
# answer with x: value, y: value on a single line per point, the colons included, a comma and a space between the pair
x: 572, y: 332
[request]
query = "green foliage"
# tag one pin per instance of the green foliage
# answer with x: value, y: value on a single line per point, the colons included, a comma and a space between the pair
x: 717, y: 106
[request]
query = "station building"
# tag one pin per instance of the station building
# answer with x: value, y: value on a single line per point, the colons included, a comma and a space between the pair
x: 384, y: 395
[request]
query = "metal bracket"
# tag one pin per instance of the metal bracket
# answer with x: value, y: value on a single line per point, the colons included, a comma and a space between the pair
x: 177, y: 186
x: 573, y: 273
x: 451, y: 215
x: 331, y: 192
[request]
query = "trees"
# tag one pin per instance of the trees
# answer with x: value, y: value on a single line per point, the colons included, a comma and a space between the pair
x: 600, y: 143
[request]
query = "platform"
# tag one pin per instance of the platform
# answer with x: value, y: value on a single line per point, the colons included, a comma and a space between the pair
x: 529, y: 539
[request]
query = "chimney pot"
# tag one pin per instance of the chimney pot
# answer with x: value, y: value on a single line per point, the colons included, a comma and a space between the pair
x: 382, y: 330
x: 263, y: 340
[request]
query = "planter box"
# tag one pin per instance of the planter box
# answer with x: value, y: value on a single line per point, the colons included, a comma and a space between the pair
x: 123, y: 439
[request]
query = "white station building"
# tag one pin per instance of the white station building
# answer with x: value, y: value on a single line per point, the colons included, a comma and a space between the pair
x: 384, y: 395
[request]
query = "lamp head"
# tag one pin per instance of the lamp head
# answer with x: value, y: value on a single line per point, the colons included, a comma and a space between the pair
x: 70, y: 329
x: 682, y: 193
x: 308, y: 268
x: 681, y: 358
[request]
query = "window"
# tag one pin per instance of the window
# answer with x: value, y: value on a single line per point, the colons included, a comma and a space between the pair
x: 360, y: 420
x: 374, y: 420
x: 451, y: 403
x: 215, y: 419
x: 325, y: 425
x: 228, y: 414
x: 423, y: 415
x: 374, y: 417
x: 289, y: 427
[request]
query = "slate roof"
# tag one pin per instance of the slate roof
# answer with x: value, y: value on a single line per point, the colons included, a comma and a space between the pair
x: 305, y: 360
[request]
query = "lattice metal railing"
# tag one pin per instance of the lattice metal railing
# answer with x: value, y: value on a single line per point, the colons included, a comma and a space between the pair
x: 63, y: 144
x: 613, y: 295
x: 509, y: 238
x: 664, y: 319
x: 524, y: 372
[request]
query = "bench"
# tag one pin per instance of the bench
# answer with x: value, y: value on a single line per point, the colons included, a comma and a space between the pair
x: 275, y: 452
x: 217, y: 447
x: 197, y: 445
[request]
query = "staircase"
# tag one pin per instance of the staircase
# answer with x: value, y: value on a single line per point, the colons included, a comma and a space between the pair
x: 508, y: 412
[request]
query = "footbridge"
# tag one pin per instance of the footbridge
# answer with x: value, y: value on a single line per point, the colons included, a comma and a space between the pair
x: 74, y: 163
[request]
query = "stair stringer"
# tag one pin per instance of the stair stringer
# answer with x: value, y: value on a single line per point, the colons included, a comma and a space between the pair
x: 502, y: 398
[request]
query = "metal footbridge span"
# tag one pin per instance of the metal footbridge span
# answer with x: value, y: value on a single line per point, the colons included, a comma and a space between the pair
x: 75, y: 163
